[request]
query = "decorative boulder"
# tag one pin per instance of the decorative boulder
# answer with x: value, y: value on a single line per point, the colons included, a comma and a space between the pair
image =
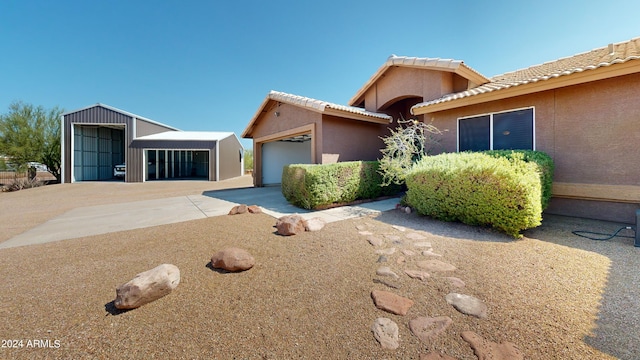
x: 315, y: 224
x: 254, y: 209
x: 238, y: 209
x: 232, y: 259
x: 147, y: 286
x: 291, y: 225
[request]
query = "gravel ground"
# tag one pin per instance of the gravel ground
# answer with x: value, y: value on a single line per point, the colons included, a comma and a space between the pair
x: 554, y: 295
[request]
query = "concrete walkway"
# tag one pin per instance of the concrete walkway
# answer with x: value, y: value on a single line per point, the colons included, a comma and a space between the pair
x: 102, y: 219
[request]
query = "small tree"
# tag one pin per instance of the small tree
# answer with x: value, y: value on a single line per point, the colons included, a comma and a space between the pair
x: 29, y: 133
x: 248, y: 160
x: 406, y: 145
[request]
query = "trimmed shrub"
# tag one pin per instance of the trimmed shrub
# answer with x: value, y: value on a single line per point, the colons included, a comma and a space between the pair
x: 543, y: 162
x: 477, y: 189
x: 312, y: 186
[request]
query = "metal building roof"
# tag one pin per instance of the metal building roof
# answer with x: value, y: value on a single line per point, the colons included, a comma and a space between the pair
x: 601, y: 57
x: 188, y: 136
x: 121, y: 112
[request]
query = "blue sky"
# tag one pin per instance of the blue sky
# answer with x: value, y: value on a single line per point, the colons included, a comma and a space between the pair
x: 208, y: 65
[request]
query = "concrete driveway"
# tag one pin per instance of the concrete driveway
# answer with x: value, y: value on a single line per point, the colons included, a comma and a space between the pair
x: 101, y: 219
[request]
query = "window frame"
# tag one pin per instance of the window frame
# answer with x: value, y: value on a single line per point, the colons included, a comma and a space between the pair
x: 491, y: 114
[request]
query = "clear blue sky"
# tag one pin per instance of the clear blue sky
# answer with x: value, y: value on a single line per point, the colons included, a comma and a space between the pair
x: 208, y: 65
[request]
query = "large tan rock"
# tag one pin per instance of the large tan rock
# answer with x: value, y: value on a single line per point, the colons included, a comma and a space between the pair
x: 291, y: 224
x: 427, y: 328
x: 386, y: 332
x: 147, y: 286
x: 232, y: 259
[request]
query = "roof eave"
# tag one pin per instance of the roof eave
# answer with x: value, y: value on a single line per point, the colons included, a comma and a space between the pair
x: 356, y: 116
x: 601, y: 73
x: 123, y: 112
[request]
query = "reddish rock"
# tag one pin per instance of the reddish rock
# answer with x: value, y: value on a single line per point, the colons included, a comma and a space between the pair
x: 238, y: 209
x: 427, y: 328
x: 232, y: 259
x: 485, y: 349
x: 147, y: 286
x: 291, y: 225
x: 391, y: 302
x: 436, y: 356
x: 254, y: 209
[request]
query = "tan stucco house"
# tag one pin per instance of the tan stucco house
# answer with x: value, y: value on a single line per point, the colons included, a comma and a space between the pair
x: 583, y: 110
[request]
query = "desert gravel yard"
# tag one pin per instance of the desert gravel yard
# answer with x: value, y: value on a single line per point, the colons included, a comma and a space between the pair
x: 551, y: 294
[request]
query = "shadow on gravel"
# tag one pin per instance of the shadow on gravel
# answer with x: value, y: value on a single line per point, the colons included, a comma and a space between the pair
x: 616, y: 327
x: 111, y: 308
x: 618, y: 321
x: 442, y: 228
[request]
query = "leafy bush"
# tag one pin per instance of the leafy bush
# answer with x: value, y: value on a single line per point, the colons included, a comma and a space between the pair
x: 313, y: 186
x: 405, y: 146
x: 543, y: 162
x: 477, y: 189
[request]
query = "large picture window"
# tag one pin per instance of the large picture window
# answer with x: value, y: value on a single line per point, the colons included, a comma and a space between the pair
x: 509, y: 130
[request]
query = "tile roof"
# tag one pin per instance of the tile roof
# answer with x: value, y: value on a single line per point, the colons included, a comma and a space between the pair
x: 321, y: 106
x: 314, y: 105
x: 455, y: 66
x: 601, y: 57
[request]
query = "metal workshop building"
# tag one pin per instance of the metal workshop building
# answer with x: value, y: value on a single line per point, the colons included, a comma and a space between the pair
x: 97, y: 138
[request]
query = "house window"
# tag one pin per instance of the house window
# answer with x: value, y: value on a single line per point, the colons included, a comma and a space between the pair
x: 507, y: 130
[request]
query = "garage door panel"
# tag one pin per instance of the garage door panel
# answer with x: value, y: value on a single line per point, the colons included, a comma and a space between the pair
x: 277, y: 154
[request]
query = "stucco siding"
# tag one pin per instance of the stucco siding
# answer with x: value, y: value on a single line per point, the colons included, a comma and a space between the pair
x: 591, y: 131
x: 347, y: 140
x: 289, y: 117
x: 401, y: 82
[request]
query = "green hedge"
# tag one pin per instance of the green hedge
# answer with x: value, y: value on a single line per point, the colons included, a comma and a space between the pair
x: 494, y: 189
x: 313, y: 186
x: 543, y: 162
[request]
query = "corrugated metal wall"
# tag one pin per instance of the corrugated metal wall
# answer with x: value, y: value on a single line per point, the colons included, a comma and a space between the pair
x: 96, y: 115
x: 141, y: 145
x: 106, y: 145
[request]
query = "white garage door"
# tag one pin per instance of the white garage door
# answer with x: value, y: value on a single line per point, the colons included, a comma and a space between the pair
x: 277, y: 154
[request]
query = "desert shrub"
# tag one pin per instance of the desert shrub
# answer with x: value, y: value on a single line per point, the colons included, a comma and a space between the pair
x: 311, y: 186
x: 477, y: 189
x: 543, y: 162
x: 405, y: 146
x: 22, y: 183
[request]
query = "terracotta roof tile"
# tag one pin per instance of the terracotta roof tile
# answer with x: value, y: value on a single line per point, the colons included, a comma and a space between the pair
x: 320, y: 105
x: 604, y: 56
